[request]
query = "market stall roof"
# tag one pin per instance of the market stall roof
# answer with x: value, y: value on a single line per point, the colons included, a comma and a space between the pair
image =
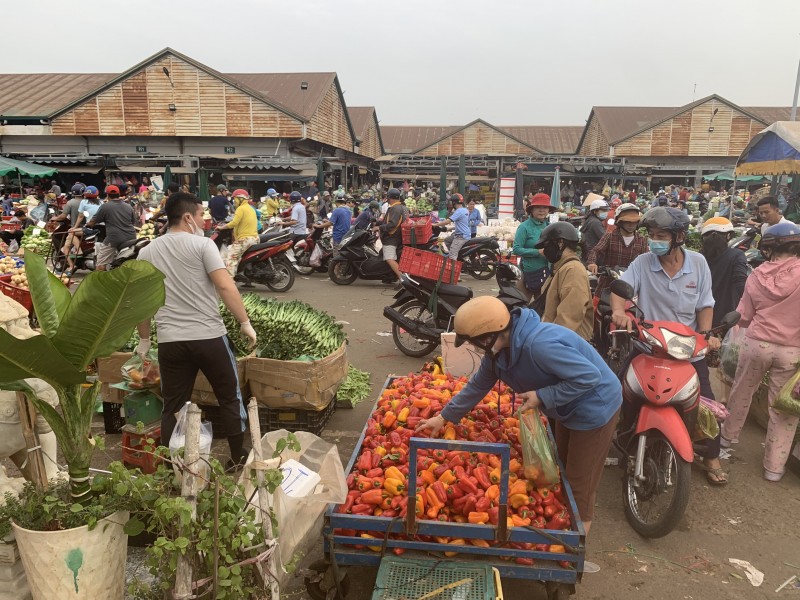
x: 774, y: 151
x: 9, y: 165
x: 729, y: 176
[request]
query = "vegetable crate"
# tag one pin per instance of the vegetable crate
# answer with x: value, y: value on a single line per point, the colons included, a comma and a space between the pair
x: 417, y: 578
x: 295, y: 419
x: 19, y: 294
x: 133, y: 442
x: 504, y: 555
x: 5, y: 226
x: 113, y: 420
x: 429, y: 265
x: 416, y: 230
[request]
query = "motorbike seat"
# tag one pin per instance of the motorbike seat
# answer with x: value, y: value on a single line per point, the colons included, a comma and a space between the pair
x: 604, y: 306
x: 479, y: 240
x: 269, y: 244
x: 272, y: 235
x: 127, y: 244
x: 447, y: 289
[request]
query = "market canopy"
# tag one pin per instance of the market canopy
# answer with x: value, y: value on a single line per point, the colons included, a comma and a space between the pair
x: 9, y: 165
x: 729, y: 176
x: 774, y: 151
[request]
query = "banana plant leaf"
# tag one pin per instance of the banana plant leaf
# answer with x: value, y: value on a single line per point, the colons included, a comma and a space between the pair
x: 50, y: 296
x: 35, y: 357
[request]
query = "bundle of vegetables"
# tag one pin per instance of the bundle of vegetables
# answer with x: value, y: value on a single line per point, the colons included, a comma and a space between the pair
x: 355, y: 387
x: 36, y: 240
x: 455, y: 486
x: 286, y: 330
x: 148, y: 231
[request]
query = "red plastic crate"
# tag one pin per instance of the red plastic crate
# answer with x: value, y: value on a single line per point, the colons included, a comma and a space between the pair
x: 5, y: 226
x: 19, y: 294
x: 422, y: 228
x: 428, y: 265
x: 132, y: 443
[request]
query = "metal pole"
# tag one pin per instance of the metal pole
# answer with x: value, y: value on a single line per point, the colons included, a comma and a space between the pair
x: 796, y: 92
x: 189, y: 490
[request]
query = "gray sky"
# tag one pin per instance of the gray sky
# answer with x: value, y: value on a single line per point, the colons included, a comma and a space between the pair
x: 443, y: 62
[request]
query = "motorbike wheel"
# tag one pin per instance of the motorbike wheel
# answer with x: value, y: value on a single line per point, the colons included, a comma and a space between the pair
x: 285, y: 279
x: 302, y: 265
x: 656, y: 507
x: 479, y: 264
x: 342, y: 272
x: 405, y: 341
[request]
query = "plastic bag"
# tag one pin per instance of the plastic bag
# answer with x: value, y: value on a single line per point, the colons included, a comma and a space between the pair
x: 300, y: 519
x: 707, y: 427
x: 788, y: 400
x: 315, y: 260
x: 178, y: 441
x: 717, y: 409
x: 142, y: 373
x: 729, y: 351
x: 538, y: 454
x: 13, y: 247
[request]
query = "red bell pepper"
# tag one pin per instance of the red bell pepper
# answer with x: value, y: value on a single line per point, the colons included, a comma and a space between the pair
x: 365, y: 461
x: 376, y: 472
x: 482, y: 476
x: 494, y: 515
x: 483, y: 505
x: 362, y: 509
x: 440, y: 490
x: 374, y: 497
x: 524, y: 561
x: 470, y: 505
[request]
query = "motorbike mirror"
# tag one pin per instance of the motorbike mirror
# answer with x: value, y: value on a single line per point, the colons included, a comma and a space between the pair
x: 730, y: 319
x: 622, y: 289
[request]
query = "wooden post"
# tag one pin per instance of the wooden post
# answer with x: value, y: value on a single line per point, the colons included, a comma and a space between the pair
x: 35, y: 463
x: 191, y: 465
x: 263, y: 495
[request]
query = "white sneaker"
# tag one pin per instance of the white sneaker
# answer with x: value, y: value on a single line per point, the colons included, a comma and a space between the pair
x: 726, y: 443
x: 770, y: 476
x: 590, y: 567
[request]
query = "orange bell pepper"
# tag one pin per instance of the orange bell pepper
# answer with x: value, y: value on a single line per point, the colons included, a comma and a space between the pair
x: 419, y: 505
x: 478, y: 518
x: 514, y: 466
x: 494, y: 461
x: 455, y: 542
x: 520, y: 521
x: 518, y: 487
x: 388, y: 419
x: 403, y: 414
x: 493, y: 492
x: 421, y: 402
x: 394, y: 487
x: 426, y: 477
x: 494, y: 475
x: 434, y: 504
x: 449, y: 432
x: 556, y: 548
x: 518, y: 500
x: 447, y: 477
x: 394, y: 473
x: 479, y: 543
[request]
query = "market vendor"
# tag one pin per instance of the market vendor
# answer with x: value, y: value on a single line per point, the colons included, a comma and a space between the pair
x: 552, y: 369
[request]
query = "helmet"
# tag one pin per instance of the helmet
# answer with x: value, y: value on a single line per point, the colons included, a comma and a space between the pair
x: 633, y: 213
x: 541, y: 199
x: 112, y: 189
x: 271, y: 192
x: 78, y: 189
x: 240, y: 193
x: 670, y: 219
x: 719, y: 224
x: 339, y: 193
x: 374, y: 205
x: 222, y: 187
x: 393, y: 193
x: 557, y: 231
x: 457, y: 199
x: 598, y: 205
x: 295, y: 197
x: 779, y: 235
x: 90, y: 192
x: 484, y: 316
x: 616, y: 202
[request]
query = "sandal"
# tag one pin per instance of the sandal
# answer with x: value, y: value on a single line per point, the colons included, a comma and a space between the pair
x: 716, y: 476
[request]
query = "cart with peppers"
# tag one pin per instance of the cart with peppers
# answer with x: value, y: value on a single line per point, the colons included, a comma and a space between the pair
x: 467, y: 497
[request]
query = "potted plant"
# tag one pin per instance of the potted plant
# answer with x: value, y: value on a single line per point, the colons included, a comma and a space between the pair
x: 67, y: 561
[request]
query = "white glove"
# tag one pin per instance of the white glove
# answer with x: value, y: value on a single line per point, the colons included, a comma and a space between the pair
x: 246, y: 331
x: 142, y: 348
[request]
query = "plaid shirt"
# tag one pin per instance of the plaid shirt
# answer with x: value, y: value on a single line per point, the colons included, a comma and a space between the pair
x: 611, y: 251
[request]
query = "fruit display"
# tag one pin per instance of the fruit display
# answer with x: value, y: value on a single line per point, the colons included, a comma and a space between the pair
x: 36, y: 240
x: 7, y: 265
x: 452, y: 486
x: 148, y: 231
x: 18, y: 278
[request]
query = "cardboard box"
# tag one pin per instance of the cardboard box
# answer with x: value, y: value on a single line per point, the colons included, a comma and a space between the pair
x: 109, y: 368
x: 297, y: 384
x: 458, y: 362
x: 111, y: 394
x: 203, y: 393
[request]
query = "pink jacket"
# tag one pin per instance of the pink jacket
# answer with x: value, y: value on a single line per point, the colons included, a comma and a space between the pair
x: 770, y: 306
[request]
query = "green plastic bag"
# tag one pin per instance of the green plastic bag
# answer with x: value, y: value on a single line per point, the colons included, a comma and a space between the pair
x: 788, y: 400
x: 538, y: 454
x: 707, y: 427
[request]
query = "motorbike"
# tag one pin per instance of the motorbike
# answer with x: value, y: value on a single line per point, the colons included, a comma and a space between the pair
x: 745, y: 243
x: 303, y: 249
x: 358, y: 257
x: 661, y: 394
x: 480, y: 256
x: 269, y: 262
x: 128, y: 251
x: 602, y: 320
x: 417, y: 331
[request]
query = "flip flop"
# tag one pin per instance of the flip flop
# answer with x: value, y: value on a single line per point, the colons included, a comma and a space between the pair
x: 716, y: 476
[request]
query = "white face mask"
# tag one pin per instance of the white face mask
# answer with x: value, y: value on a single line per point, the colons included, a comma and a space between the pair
x: 198, y: 231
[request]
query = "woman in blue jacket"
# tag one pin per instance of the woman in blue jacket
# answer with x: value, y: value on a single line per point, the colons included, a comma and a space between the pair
x: 551, y: 368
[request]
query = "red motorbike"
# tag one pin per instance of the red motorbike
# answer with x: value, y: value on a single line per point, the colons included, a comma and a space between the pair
x: 661, y: 393
x: 303, y: 249
x: 269, y: 262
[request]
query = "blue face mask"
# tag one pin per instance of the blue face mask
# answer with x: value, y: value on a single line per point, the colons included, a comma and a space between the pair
x: 659, y: 248
x: 602, y: 214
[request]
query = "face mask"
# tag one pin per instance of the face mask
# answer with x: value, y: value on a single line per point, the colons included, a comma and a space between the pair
x: 195, y: 229
x: 658, y: 247
x: 602, y: 214
x: 714, y: 245
x: 552, y: 253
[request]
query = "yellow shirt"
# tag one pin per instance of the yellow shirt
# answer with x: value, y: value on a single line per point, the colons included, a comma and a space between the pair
x: 244, y: 224
x: 273, y: 206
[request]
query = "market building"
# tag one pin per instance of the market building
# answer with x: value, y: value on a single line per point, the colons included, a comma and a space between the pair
x: 253, y: 129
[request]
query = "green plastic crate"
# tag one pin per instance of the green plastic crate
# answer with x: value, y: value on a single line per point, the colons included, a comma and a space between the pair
x: 411, y: 579
x: 142, y: 406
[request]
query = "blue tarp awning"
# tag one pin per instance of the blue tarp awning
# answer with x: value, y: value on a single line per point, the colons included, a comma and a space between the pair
x: 774, y: 151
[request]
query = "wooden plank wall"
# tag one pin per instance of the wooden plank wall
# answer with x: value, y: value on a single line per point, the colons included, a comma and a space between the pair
x: 369, y: 145
x: 329, y: 123
x: 476, y: 139
x: 206, y: 106
x: 688, y: 134
x: 594, y: 142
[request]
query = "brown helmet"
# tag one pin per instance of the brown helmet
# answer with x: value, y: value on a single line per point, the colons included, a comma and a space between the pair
x: 480, y: 321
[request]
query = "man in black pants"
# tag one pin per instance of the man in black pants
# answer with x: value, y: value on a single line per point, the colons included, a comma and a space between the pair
x: 191, y: 334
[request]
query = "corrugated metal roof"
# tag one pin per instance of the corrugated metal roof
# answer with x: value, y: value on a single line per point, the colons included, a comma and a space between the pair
x: 284, y: 88
x: 551, y: 139
x: 619, y: 121
x: 360, y: 117
x: 770, y: 114
x: 405, y: 139
x: 41, y: 94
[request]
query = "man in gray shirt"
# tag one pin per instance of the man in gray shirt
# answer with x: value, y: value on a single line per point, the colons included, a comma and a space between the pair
x: 119, y: 220
x: 191, y: 334
x: 70, y: 215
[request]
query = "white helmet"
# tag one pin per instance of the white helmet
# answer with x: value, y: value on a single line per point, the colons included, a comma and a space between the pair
x: 598, y: 204
x: 720, y: 224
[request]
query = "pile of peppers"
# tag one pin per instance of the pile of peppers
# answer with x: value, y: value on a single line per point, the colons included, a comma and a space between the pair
x: 456, y: 486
